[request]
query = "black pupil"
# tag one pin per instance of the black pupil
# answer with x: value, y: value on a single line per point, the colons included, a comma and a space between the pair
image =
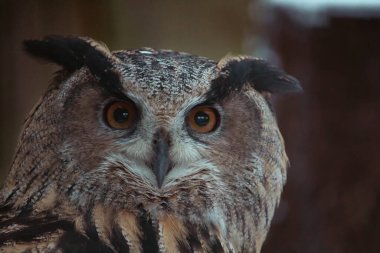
x: 201, y: 118
x: 121, y: 115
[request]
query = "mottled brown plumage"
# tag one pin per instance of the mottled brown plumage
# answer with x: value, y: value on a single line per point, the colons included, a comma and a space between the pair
x: 78, y: 185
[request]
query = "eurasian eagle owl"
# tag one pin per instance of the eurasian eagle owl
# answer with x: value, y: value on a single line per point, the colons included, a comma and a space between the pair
x: 146, y: 151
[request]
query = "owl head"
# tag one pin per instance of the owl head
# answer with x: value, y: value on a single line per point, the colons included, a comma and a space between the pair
x: 153, y: 142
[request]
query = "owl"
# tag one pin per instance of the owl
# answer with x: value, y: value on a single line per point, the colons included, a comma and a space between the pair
x: 146, y: 151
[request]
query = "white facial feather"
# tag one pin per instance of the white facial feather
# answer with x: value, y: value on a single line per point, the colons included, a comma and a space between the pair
x: 135, y: 167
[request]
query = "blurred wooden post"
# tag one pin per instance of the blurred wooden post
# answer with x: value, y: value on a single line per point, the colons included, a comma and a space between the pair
x: 332, y: 199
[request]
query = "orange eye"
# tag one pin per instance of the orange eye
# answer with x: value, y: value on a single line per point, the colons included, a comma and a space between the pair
x: 121, y: 114
x: 203, y: 119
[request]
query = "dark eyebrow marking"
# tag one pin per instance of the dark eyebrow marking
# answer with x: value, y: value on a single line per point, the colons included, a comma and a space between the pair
x: 73, y: 53
x: 221, y: 87
x: 258, y: 73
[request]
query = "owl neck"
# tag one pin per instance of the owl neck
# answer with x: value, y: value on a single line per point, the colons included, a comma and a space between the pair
x: 37, y: 163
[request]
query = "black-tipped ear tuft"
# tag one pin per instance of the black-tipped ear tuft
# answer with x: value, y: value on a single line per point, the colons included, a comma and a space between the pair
x: 262, y: 76
x: 55, y: 49
x: 236, y: 72
x: 73, y: 53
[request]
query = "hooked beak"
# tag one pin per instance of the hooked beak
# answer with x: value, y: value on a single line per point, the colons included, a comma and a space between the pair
x: 161, y: 164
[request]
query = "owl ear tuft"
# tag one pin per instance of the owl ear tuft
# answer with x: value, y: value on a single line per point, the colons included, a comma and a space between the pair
x: 262, y: 76
x: 72, y: 53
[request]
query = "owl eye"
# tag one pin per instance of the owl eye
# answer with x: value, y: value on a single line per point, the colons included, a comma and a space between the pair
x: 120, y: 114
x: 203, y: 119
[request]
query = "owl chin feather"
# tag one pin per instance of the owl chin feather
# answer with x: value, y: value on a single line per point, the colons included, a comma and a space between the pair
x: 146, y: 151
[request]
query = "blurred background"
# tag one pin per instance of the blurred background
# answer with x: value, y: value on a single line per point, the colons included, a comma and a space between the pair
x: 331, y: 202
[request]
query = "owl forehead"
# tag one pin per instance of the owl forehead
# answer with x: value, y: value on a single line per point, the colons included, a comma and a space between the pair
x: 166, y: 78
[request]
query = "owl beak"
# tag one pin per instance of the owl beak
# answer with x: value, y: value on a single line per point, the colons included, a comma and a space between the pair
x: 161, y: 162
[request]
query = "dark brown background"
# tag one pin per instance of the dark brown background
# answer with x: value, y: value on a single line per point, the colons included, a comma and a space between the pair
x: 331, y: 202
x: 332, y: 199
